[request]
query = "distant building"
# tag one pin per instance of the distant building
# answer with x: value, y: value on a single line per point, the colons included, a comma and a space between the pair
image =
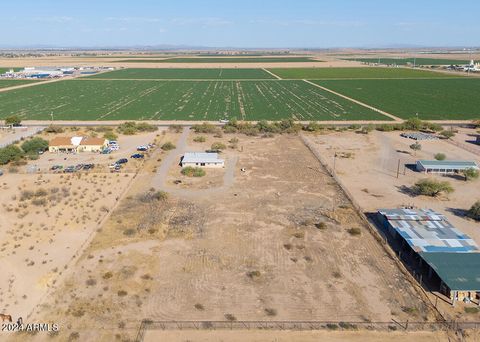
x: 444, y: 166
x: 444, y: 256
x: 202, y: 159
x: 76, y: 144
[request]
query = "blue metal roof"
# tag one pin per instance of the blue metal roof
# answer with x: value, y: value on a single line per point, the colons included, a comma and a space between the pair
x: 427, y: 231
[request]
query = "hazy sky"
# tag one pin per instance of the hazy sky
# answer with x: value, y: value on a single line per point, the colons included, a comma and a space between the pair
x: 240, y: 23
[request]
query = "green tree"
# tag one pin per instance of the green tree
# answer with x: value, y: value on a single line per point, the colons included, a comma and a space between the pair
x: 440, y: 156
x: 35, y: 145
x: 13, y: 121
x: 110, y: 136
x: 474, y: 211
x: 470, y: 173
x: 416, y: 147
x: 10, y: 153
x: 432, y: 187
x: 413, y: 124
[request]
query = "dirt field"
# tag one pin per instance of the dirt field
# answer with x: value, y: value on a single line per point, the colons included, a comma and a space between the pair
x: 45, y: 219
x: 275, y: 245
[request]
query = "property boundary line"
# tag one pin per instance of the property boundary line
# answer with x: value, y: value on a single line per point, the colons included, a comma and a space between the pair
x: 301, y: 326
x: 373, y: 231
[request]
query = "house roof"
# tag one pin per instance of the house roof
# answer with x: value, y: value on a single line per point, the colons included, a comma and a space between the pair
x: 93, y: 141
x: 459, y: 271
x: 201, y: 157
x: 60, y: 141
x: 448, y: 164
x: 76, y: 141
x: 427, y: 231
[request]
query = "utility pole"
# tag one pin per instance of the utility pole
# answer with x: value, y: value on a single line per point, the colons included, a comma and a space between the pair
x: 51, y: 115
x: 334, y: 161
x: 398, y: 168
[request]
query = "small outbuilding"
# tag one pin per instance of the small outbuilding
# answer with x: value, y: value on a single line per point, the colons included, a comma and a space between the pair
x: 202, y: 159
x: 445, y: 166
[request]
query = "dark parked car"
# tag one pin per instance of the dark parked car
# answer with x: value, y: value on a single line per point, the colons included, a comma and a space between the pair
x: 88, y: 166
x: 137, y: 156
x: 122, y: 161
x: 70, y: 169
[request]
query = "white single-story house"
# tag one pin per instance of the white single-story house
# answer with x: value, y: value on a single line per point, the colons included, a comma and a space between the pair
x: 201, y: 159
x: 445, y: 166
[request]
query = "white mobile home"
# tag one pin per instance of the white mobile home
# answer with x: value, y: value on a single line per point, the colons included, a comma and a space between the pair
x: 201, y: 159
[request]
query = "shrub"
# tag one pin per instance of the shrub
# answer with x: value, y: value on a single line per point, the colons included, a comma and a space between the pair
x: 193, y: 171
x: 313, y: 126
x: 13, y: 121
x: 122, y: 293
x: 253, y: 274
x: 354, y: 231
x: 385, y: 128
x: 440, y: 156
x: 175, y: 128
x: 447, y: 134
x: 416, y: 147
x: 204, y: 128
x: 131, y: 128
x: 470, y: 173
x: 168, y: 146
x: 270, y: 312
x: 35, y: 145
x: 199, y: 139
x: 218, y: 146
x: 230, y: 317
x: 431, y: 187
x: 54, y: 129
x: 199, y: 307
x: 474, y: 211
x: 471, y: 310
x: 110, y: 136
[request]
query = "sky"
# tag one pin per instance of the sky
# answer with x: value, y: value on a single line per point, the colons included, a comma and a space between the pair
x: 240, y: 23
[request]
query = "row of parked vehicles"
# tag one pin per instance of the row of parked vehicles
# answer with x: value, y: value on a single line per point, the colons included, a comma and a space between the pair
x: 71, y: 168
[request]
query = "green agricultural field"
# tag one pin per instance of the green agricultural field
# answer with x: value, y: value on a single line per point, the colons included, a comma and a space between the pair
x: 342, y: 73
x: 205, y: 74
x: 439, y: 99
x: 4, y: 70
x: 405, y: 61
x: 180, y: 100
x: 6, y: 83
x: 222, y: 60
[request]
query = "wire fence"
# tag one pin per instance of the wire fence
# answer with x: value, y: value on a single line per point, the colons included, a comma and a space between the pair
x: 302, y: 326
x: 470, y: 149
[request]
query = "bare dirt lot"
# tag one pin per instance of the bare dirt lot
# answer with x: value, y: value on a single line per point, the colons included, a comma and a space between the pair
x: 45, y: 219
x: 282, y: 243
x: 367, y: 165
